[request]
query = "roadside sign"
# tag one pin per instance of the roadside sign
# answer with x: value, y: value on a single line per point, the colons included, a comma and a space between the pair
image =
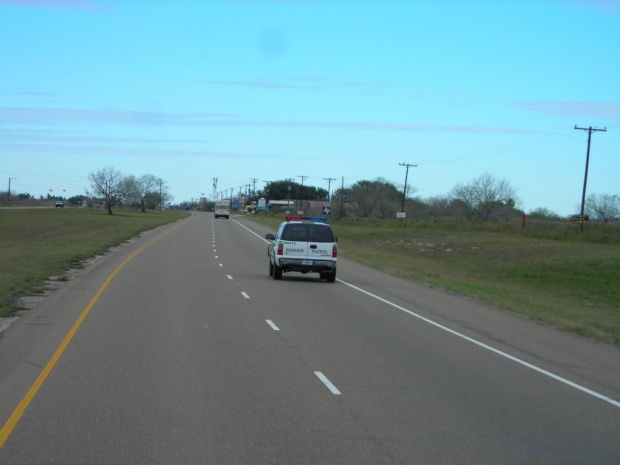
x: 580, y: 219
x: 401, y: 215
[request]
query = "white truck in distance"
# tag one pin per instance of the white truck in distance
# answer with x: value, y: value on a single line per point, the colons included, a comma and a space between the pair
x: 222, y: 208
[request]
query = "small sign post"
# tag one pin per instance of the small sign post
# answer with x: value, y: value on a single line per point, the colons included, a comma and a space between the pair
x: 580, y: 219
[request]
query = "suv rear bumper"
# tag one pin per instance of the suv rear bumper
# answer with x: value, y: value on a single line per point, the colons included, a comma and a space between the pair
x: 294, y: 264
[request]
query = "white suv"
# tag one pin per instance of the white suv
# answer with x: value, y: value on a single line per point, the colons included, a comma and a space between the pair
x: 306, y: 245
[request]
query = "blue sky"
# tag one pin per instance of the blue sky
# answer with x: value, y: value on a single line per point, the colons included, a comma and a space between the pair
x: 193, y: 90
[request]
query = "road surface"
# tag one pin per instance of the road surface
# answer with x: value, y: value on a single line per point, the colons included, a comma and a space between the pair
x: 178, y: 348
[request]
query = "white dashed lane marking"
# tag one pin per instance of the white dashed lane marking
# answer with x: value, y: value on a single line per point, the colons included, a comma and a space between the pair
x: 327, y: 383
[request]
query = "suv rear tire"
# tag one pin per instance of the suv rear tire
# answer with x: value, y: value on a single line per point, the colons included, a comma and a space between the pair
x: 331, y: 277
x: 277, y: 272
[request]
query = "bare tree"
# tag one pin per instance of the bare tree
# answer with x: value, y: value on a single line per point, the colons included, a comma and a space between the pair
x: 603, y: 207
x: 139, y: 189
x: 110, y: 184
x: 485, y: 196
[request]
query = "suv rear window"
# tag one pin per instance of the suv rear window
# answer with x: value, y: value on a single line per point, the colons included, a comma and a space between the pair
x: 320, y: 234
x: 307, y: 233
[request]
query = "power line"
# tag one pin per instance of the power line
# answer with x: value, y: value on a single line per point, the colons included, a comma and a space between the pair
x: 517, y: 161
x: 537, y: 142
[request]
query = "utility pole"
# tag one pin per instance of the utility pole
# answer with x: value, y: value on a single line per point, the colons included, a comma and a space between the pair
x: 161, y: 201
x: 8, y: 197
x: 302, y: 191
x: 585, y: 178
x: 329, y: 186
x: 342, y: 198
x: 407, y: 165
x: 254, y: 185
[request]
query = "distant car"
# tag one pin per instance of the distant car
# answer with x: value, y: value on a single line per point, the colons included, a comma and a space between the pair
x: 59, y: 205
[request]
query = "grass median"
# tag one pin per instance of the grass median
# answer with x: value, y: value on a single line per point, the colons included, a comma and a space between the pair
x: 36, y: 244
x: 549, y: 272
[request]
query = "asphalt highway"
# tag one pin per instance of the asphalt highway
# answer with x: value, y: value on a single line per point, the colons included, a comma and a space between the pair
x: 178, y: 348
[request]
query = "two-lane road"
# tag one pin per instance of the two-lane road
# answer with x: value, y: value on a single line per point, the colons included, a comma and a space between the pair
x: 179, y: 348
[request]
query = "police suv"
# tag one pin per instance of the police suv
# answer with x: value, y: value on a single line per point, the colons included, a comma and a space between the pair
x: 305, y: 245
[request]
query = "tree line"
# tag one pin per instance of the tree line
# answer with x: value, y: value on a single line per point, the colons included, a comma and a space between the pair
x: 484, y: 197
x: 288, y: 189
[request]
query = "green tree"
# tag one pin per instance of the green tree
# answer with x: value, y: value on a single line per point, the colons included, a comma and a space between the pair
x: 77, y: 199
x: 279, y: 190
x: 542, y: 213
x: 378, y: 198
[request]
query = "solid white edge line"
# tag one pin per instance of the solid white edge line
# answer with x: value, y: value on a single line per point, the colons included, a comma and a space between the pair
x: 245, y: 295
x: 249, y: 230
x: 327, y: 383
x: 484, y: 346
x: 273, y: 325
x: 565, y: 381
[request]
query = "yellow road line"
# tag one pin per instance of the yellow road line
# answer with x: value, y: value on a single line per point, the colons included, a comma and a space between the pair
x: 17, y: 414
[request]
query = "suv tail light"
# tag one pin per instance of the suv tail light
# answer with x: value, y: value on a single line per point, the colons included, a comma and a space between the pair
x: 335, y: 251
x: 280, y: 250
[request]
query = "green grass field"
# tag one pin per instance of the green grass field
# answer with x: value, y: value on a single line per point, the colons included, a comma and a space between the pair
x: 36, y: 244
x: 549, y: 272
